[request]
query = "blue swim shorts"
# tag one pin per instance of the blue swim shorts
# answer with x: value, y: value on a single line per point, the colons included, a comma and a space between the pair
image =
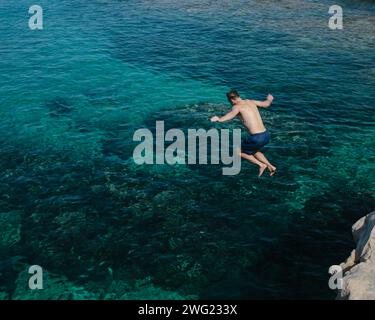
x: 254, y: 142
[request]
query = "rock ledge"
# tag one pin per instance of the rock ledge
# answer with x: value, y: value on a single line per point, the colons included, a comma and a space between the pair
x: 359, y: 268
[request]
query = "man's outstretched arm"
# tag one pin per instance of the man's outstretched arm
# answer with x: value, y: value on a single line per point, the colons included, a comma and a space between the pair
x: 265, y: 103
x: 228, y: 116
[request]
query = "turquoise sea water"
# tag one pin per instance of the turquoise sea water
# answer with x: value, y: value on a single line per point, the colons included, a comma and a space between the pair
x: 73, y: 201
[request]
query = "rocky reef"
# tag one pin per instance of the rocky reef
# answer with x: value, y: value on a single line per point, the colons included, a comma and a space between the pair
x: 359, y: 268
x: 102, y: 227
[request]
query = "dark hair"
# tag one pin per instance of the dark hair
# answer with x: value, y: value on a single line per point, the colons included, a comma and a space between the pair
x: 232, y: 94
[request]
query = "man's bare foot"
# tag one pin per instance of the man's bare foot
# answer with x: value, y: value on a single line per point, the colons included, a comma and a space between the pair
x: 261, y: 169
x: 271, y: 169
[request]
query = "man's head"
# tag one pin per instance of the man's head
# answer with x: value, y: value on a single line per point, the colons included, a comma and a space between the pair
x: 233, y: 97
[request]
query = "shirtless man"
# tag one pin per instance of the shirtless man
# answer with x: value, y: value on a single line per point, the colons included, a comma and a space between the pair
x: 259, y: 136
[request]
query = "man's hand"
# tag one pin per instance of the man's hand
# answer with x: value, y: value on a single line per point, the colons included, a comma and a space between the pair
x: 215, y: 119
x: 264, y: 104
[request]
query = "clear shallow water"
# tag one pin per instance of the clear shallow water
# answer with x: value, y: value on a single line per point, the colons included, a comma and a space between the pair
x: 72, y: 95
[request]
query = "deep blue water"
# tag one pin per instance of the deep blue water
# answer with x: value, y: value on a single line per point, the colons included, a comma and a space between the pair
x: 73, y: 201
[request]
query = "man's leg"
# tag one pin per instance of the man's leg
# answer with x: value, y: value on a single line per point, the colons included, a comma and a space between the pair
x: 262, y: 166
x: 261, y: 157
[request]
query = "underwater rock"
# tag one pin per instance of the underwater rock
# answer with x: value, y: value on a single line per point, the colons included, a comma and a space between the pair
x: 10, y: 263
x: 59, y: 107
x: 10, y: 228
x: 71, y: 220
x: 145, y: 290
x: 359, y: 269
x: 4, y: 296
x: 55, y: 287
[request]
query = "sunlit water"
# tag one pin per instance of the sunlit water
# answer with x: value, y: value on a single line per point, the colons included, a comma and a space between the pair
x: 73, y: 201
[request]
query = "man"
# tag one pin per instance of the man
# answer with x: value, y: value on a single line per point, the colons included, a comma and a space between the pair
x: 258, y: 136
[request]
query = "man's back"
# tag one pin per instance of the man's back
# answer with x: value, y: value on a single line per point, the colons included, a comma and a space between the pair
x: 250, y: 116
